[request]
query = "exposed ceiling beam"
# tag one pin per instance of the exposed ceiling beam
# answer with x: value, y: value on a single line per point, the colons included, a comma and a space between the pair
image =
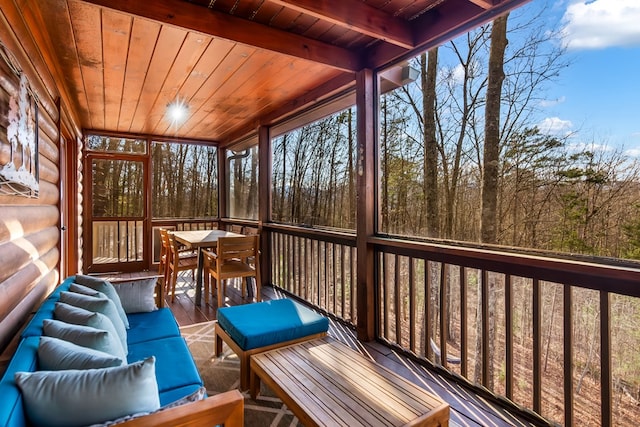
x: 485, y: 4
x: 447, y: 21
x: 217, y: 24
x: 357, y: 16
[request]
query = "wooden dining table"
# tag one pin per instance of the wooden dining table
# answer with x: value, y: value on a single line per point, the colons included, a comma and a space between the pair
x: 199, y: 239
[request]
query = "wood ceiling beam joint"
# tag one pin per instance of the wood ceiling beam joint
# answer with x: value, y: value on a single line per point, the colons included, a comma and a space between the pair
x: 356, y: 16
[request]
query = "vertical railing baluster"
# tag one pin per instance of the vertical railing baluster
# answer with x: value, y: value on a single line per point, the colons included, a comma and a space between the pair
x: 318, y: 301
x: 412, y: 307
x: 568, y: 355
x: 119, y: 253
x: 274, y: 270
x: 385, y: 297
x: 334, y: 281
x: 287, y: 254
x: 303, y: 268
x: 352, y: 281
x: 486, y: 346
x: 297, y: 258
x: 280, y: 259
x: 605, y: 360
x: 444, y: 314
x: 537, y: 340
x: 428, y: 327
x: 277, y: 258
x: 311, y: 270
x: 463, y: 322
x: 325, y: 305
x: 343, y: 281
x: 508, y: 307
x: 285, y: 258
x: 398, y: 300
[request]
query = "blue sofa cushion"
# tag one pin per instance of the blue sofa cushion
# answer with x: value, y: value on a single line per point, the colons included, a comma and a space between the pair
x: 270, y: 322
x: 11, y: 406
x: 170, y: 353
x: 152, y: 326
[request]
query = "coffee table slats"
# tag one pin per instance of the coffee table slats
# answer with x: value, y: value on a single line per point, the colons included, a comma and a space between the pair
x: 326, y: 383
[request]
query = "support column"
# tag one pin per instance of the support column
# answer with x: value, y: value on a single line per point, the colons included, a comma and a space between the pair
x: 366, y: 103
x: 265, y: 159
x: 223, y: 185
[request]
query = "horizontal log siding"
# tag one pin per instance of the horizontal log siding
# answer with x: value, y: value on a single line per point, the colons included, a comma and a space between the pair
x: 29, y: 228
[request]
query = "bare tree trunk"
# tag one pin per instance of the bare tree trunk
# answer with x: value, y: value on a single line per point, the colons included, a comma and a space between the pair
x: 489, y: 212
x: 429, y: 73
x: 488, y: 226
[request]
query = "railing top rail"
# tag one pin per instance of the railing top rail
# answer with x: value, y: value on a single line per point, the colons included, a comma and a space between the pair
x: 341, y: 237
x: 618, y: 279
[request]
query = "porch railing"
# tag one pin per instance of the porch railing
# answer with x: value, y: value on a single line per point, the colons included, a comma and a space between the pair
x: 552, y: 335
x: 556, y: 336
x: 318, y: 266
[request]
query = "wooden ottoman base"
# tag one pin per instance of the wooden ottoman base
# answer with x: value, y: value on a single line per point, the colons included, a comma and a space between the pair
x: 220, y: 335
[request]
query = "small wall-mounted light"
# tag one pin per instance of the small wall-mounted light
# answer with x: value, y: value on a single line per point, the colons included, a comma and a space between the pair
x: 177, y: 112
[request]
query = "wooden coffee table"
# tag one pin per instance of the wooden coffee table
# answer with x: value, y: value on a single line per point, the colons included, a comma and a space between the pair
x: 325, y: 383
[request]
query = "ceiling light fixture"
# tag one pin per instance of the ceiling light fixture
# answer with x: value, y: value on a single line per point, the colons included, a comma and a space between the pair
x: 177, y: 112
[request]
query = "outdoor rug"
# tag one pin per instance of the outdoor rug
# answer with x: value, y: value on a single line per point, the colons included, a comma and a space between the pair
x: 223, y: 373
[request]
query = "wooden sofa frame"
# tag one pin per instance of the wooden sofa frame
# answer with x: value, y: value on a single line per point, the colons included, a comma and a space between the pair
x: 224, y: 408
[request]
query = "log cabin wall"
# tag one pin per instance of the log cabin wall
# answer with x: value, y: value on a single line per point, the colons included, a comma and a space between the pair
x: 30, y: 227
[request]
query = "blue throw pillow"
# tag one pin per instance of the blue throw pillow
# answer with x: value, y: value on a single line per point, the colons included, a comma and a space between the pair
x: 55, y: 354
x: 79, y: 316
x: 106, y: 288
x: 99, y: 304
x: 84, y: 290
x: 137, y: 296
x: 75, y: 398
x: 85, y: 336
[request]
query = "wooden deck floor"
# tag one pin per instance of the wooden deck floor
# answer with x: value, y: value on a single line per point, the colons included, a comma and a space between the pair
x: 467, y: 408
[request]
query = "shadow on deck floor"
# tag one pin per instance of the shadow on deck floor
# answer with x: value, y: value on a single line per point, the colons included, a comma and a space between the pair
x: 467, y: 408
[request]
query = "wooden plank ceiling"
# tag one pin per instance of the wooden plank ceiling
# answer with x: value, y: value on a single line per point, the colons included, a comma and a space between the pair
x: 236, y: 63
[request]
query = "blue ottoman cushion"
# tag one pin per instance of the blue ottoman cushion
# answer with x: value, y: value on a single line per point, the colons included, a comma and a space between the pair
x: 270, y: 322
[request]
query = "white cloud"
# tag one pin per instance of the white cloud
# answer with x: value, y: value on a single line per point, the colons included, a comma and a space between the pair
x: 555, y: 126
x: 598, y: 24
x: 633, y: 152
x: 592, y: 147
x: 546, y: 103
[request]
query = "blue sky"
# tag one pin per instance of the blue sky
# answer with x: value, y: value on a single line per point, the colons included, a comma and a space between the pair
x: 598, y: 96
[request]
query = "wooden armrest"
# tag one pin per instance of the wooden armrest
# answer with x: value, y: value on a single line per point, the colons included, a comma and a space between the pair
x: 209, y: 254
x: 224, y: 408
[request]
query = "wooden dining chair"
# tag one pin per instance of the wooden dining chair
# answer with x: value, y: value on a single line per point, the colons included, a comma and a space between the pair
x: 231, y: 260
x: 164, y: 256
x: 178, y: 260
x: 164, y: 249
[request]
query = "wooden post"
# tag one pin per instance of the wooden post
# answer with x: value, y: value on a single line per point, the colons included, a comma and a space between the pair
x: 264, y: 201
x: 366, y: 103
x: 223, y: 179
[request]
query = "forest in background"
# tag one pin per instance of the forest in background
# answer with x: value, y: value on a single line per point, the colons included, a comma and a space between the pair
x: 461, y: 159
